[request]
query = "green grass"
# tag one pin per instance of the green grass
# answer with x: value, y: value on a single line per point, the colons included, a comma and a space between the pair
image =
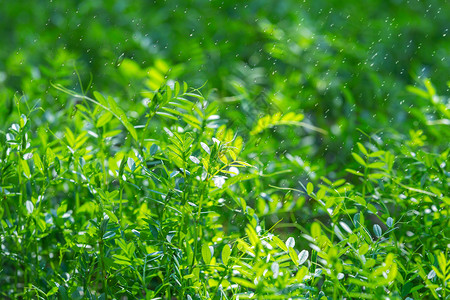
x: 293, y: 164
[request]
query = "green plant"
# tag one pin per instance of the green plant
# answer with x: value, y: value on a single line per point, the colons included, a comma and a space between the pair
x: 312, y: 163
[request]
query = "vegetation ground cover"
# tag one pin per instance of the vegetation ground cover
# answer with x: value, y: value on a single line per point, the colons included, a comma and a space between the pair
x: 224, y: 150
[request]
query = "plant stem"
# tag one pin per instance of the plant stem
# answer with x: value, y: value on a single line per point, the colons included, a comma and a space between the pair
x: 103, y: 272
x: 120, y: 200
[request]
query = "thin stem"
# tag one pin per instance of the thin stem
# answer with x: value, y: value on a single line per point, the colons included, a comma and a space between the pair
x: 147, y: 124
x: 103, y: 272
x: 120, y: 200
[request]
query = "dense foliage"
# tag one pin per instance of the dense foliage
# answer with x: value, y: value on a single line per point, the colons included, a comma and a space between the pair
x: 225, y: 150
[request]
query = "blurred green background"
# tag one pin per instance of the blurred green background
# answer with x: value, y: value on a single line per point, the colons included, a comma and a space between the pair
x: 344, y: 64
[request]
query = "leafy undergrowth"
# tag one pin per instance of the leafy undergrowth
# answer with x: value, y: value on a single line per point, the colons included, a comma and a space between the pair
x: 173, y: 202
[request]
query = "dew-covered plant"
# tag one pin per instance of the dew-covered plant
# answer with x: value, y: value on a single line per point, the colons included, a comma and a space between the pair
x: 306, y: 157
x: 179, y: 207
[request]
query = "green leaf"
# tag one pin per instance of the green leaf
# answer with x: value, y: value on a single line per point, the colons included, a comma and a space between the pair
x: 63, y: 292
x: 131, y: 130
x: 26, y: 169
x: 363, y: 249
x: 320, y: 194
x: 303, y: 256
x: 108, y: 235
x: 355, y: 172
x: 279, y: 243
x: 99, y: 97
x: 290, y: 242
x: 205, y: 147
x: 113, y: 106
x: 104, y: 119
x: 430, y: 88
x: 252, y: 235
x: 23, y: 120
x: 431, y: 275
x: 389, y: 222
x: 30, y: 206
x: 377, y: 153
x: 309, y: 188
x: 131, y: 164
x: 70, y: 137
x: 207, y: 253
x: 194, y: 159
x: 359, y: 159
x: 377, y: 176
x: 362, y: 149
x: 360, y: 200
x: 301, y: 274
x: 243, y: 282
x: 417, y: 91
x: 226, y: 251
x: 153, y: 149
x: 112, y: 216
x: 372, y: 208
x: 315, y: 230
x: 38, y: 163
x: 121, y: 257
x: 376, y: 165
x: 293, y: 256
x: 122, y: 165
x: 57, y: 164
x: 356, y: 220
x: 122, y: 260
x: 377, y: 230
x: 167, y: 115
x: 238, y: 164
